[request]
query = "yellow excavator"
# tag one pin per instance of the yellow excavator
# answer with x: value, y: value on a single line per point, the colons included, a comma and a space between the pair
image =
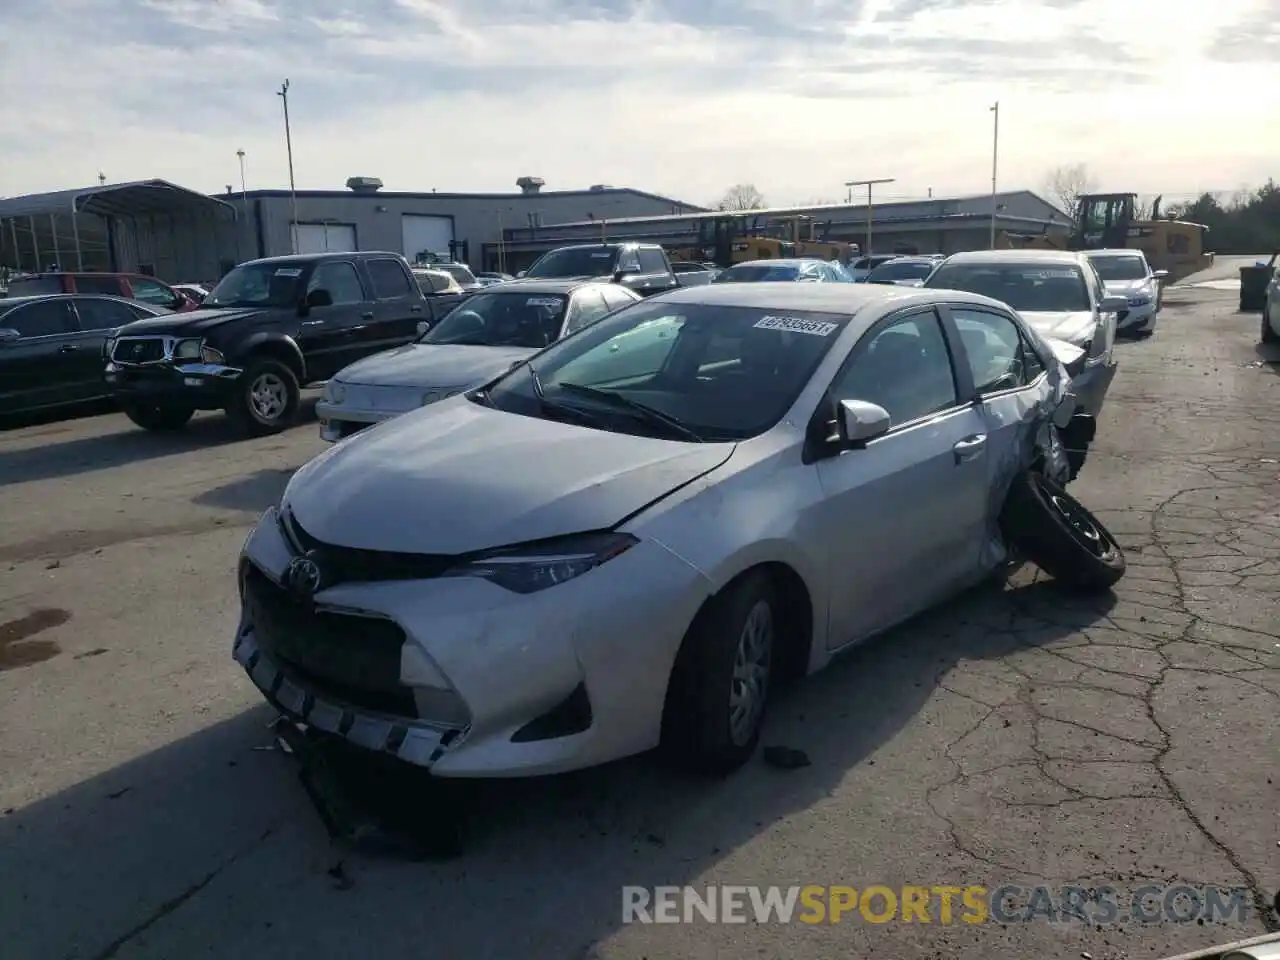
x: 730, y: 238
x: 1109, y: 221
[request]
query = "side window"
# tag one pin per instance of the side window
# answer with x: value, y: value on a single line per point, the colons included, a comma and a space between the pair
x: 628, y: 262
x: 999, y: 358
x: 148, y: 291
x: 389, y: 279
x: 904, y: 367
x: 87, y: 283
x: 651, y: 261
x: 341, y: 280
x: 98, y: 314
x: 41, y: 319
x: 588, y: 307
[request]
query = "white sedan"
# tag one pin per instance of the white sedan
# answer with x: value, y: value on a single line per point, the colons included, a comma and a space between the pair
x: 1126, y: 273
x: 630, y: 539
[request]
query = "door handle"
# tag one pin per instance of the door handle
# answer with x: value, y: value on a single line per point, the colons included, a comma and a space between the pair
x: 68, y: 348
x: 970, y: 447
x: 313, y: 323
x: 415, y: 309
x: 367, y: 316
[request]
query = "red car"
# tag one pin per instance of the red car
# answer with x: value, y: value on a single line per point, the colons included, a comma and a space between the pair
x: 131, y: 286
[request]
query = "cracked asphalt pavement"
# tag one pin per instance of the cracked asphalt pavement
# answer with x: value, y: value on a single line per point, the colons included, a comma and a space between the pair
x: 1017, y: 735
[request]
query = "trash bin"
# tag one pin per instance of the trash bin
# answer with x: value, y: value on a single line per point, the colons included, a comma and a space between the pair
x: 1253, y: 286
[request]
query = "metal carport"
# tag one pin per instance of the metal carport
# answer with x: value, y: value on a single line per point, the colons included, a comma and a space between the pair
x: 150, y: 226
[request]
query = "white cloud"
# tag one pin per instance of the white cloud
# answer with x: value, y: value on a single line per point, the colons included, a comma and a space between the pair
x: 679, y: 98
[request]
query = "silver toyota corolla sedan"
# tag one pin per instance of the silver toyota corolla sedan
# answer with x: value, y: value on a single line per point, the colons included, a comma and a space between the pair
x: 632, y: 537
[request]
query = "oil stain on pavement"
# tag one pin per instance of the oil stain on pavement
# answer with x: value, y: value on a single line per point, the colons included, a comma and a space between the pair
x: 17, y: 649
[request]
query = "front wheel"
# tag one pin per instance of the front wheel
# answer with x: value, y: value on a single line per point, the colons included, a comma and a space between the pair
x: 721, y: 681
x: 159, y: 418
x: 266, y: 398
x: 1052, y: 529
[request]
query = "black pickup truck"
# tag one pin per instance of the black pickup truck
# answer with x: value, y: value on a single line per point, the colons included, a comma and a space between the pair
x: 641, y: 267
x: 268, y: 328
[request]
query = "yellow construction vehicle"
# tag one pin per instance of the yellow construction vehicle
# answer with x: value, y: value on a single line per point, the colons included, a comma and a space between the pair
x: 1109, y: 221
x: 729, y: 238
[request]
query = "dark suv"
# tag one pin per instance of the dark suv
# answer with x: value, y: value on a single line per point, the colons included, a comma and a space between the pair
x: 268, y: 327
x: 642, y: 267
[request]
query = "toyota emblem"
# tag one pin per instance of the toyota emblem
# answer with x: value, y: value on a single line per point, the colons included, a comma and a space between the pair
x: 303, y: 577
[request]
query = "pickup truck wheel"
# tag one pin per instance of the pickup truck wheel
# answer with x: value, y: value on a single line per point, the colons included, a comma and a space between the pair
x: 158, y: 418
x: 266, y: 398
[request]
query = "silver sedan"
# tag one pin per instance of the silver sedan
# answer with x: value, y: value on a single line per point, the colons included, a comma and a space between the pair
x: 630, y: 539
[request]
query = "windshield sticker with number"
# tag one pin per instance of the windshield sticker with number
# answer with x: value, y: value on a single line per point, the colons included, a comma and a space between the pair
x: 542, y: 302
x: 288, y: 272
x: 603, y: 256
x: 1051, y: 275
x: 817, y: 328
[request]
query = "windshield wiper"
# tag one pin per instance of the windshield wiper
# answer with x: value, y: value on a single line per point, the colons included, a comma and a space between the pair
x: 550, y: 406
x: 640, y: 410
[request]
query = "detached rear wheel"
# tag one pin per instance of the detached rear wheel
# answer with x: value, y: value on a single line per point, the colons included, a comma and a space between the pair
x: 720, y: 685
x: 1054, y: 530
x: 266, y: 398
x: 159, y: 418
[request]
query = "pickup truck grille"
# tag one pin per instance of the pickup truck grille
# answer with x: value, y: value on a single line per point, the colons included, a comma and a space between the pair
x: 137, y: 350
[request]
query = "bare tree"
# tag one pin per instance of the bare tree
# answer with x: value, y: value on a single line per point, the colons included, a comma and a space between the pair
x: 742, y: 196
x: 1067, y: 184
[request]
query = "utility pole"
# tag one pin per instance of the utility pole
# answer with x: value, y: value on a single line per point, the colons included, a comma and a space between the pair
x: 868, y: 184
x: 283, y: 94
x: 244, y: 202
x: 995, y: 156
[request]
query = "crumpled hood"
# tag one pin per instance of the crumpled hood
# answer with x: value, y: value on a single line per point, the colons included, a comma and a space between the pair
x: 1074, y: 327
x: 457, y: 477
x: 191, y: 323
x: 433, y: 365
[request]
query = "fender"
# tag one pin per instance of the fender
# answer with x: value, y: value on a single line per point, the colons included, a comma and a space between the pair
x: 278, y: 341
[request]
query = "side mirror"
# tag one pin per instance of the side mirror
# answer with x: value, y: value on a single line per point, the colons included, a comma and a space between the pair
x: 1113, y: 304
x: 319, y: 298
x: 423, y: 326
x: 520, y: 275
x: 1160, y: 274
x: 9, y: 335
x: 862, y: 422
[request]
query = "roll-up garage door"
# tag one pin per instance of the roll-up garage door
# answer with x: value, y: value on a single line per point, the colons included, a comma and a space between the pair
x: 424, y: 234
x: 326, y: 237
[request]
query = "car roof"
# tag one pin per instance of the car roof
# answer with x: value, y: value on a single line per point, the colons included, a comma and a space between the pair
x: 847, y: 298
x: 1016, y: 256
x: 781, y: 261
x: 305, y: 258
x: 606, y: 245
x: 1114, y: 252
x: 911, y: 258
x: 563, y: 285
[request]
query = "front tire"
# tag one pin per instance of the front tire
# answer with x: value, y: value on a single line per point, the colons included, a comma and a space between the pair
x: 720, y: 685
x: 159, y: 418
x: 1052, y: 529
x: 266, y: 398
x: 1269, y: 334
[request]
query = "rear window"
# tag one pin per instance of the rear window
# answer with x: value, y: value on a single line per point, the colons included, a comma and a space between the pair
x: 89, y: 284
x: 462, y: 274
x: 759, y: 273
x: 575, y: 262
x: 35, y: 286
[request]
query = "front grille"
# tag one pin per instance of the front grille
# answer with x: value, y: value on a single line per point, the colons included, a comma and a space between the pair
x: 353, y: 565
x: 139, y: 350
x: 352, y: 658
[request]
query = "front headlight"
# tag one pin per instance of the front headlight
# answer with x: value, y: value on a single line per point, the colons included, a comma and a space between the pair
x: 533, y: 567
x: 335, y: 391
x: 108, y: 348
x: 187, y: 349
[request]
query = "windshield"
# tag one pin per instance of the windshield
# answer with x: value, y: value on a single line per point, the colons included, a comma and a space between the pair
x: 710, y: 372
x: 501, y: 320
x: 759, y: 273
x: 576, y: 262
x: 901, y: 270
x: 257, y: 285
x: 1120, y: 268
x: 462, y: 274
x: 1055, y: 288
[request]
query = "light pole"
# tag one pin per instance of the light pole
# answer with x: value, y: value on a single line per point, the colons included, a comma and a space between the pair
x: 283, y: 94
x: 244, y: 200
x: 995, y: 156
x: 868, y: 184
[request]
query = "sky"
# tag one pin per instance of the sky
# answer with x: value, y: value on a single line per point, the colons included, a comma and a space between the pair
x: 679, y: 97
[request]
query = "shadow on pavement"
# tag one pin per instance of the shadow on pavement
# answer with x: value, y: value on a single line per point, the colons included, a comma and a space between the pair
x: 124, y: 445
x: 211, y: 846
x: 251, y: 494
x: 1269, y: 353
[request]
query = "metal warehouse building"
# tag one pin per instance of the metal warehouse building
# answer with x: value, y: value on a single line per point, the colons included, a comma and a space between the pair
x: 942, y: 225
x: 177, y: 234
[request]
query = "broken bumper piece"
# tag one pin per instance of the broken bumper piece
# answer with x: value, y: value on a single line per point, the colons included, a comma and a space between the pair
x: 415, y: 742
